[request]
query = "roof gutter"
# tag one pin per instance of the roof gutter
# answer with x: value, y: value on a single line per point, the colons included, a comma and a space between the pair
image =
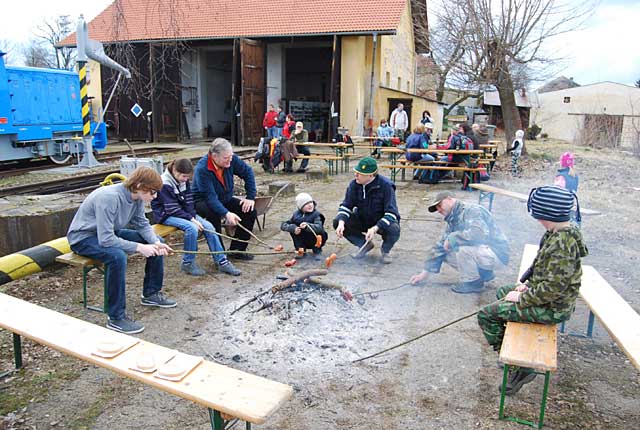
x: 248, y: 36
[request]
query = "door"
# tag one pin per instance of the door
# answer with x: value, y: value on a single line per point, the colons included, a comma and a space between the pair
x: 252, y: 99
x: 393, y: 103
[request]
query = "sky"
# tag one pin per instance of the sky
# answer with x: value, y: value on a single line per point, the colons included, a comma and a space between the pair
x: 605, y: 50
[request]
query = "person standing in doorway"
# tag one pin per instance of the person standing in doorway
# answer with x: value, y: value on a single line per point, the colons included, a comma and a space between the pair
x: 281, y: 119
x: 269, y: 122
x: 399, y: 121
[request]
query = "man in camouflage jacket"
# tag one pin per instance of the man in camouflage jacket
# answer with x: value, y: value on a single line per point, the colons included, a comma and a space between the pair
x: 472, y: 243
x: 552, y: 283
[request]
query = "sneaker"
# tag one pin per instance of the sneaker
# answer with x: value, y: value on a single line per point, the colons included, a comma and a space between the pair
x: 229, y: 269
x: 159, y: 300
x: 317, y: 254
x: 242, y: 257
x: 125, y: 325
x: 517, y: 379
x: 385, y: 258
x: 363, y: 252
x: 476, y: 286
x: 486, y: 275
x: 192, y: 269
x: 300, y: 257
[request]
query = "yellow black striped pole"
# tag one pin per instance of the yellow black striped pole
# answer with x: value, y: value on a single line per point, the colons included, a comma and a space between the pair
x: 32, y: 260
x: 86, y: 121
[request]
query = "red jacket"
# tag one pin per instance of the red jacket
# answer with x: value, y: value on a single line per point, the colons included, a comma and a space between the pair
x: 286, y: 131
x: 270, y: 119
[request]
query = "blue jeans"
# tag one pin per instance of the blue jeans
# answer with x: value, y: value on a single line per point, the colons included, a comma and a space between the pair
x: 278, y: 131
x: 304, y: 150
x: 272, y: 132
x: 115, y: 261
x: 424, y: 158
x: 191, y: 237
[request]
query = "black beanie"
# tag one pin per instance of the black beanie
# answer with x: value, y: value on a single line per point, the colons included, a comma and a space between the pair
x: 552, y: 203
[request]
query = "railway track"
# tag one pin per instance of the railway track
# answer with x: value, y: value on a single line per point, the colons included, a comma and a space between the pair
x: 8, y: 170
x: 82, y: 183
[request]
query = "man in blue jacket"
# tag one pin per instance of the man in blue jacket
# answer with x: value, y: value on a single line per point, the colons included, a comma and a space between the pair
x: 213, y: 192
x: 369, y: 207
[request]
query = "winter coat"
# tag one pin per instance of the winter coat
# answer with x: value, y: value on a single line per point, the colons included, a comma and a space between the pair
x: 570, y: 181
x: 269, y: 119
x: 374, y: 203
x: 399, y: 119
x: 468, y: 224
x: 315, y: 219
x: 415, y: 141
x: 174, y: 199
x: 206, y: 186
x: 556, y: 272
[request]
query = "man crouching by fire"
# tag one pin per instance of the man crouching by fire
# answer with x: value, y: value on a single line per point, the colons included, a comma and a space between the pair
x: 369, y: 207
x: 547, y: 292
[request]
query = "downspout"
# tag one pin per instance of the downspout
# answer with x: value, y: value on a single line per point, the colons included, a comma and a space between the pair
x: 373, y: 68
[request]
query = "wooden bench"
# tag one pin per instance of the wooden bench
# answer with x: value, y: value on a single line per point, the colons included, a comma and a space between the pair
x: 529, y: 345
x: 620, y: 320
x: 220, y: 389
x: 469, y: 173
x: 487, y: 192
x: 87, y: 264
x: 402, y: 161
x: 333, y: 161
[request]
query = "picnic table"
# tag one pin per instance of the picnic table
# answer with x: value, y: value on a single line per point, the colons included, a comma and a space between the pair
x: 333, y: 160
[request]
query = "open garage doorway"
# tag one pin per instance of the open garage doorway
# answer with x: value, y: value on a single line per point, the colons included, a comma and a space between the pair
x: 308, y: 87
x: 218, y: 81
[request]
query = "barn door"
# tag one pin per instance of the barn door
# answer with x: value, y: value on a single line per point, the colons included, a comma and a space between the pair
x: 252, y: 99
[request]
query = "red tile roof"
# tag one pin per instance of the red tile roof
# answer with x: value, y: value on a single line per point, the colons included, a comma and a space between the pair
x: 214, y: 19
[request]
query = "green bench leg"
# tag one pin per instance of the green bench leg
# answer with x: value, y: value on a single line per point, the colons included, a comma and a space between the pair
x: 105, y: 299
x: 543, y: 402
x: 486, y: 195
x: 218, y: 423
x: 17, y: 355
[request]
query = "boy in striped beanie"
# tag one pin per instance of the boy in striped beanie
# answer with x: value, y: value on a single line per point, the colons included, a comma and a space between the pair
x: 547, y: 292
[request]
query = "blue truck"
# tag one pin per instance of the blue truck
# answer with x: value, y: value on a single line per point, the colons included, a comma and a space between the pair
x: 41, y: 114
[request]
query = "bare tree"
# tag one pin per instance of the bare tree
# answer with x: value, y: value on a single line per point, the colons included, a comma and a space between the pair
x: 52, y: 32
x: 637, y: 84
x: 507, y: 37
x: 11, y: 51
x: 37, y: 55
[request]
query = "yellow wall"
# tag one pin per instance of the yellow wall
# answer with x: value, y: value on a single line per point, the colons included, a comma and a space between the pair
x: 354, y: 84
x: 397, y: 59
x: 418, y: 105
x: 94, y: 88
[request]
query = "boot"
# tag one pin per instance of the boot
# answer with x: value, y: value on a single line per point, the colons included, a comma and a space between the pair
x: 469, y: 287
x: 486, y: 275
x: 517, y: 379
x: 385, y: 258
x: 288, y: 166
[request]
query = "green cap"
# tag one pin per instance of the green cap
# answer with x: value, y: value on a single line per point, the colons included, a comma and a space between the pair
x: 366, y: 166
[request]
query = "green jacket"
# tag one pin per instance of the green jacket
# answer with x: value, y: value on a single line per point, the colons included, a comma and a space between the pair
x: 468, y: 224
x: 557, y: 271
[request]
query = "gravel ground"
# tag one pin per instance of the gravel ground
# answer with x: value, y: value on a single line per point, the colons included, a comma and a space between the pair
x: 448, y: 380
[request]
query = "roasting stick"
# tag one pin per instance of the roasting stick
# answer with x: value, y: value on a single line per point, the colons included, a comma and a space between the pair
x: 425, y: 334
x: 253, y: 235
x: 237, y: 240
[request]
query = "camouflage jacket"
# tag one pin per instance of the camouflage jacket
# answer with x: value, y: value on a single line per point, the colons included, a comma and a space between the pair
x: 555, y: 279
x: 468, y: 224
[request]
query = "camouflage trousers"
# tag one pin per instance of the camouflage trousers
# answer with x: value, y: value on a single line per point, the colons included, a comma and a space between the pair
x: 514, y: 164
x: 493, y: 318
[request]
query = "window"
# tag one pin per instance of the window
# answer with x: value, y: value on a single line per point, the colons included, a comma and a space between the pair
x: 399, y: 83
x: 388, y: 81
x: 408, y: 86
x: 567, y: 100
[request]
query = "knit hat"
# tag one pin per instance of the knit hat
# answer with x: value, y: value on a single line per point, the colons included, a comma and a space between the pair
x: 302, y: 199
x: 519, y: 134
x: 552, y: 203
x: 567, y: 159
x: 366, y: 166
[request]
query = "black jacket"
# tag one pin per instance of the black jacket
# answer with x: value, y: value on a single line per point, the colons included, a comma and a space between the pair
x: 374, y: 203
x: 315, y: 219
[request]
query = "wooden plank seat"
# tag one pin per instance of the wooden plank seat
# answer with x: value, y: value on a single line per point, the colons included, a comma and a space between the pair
x: 470, y: 174
x: 487, y: 193
x: 528, y: 345
x: 87, y: 264
x: 333, y: 161
x: 220, y: 389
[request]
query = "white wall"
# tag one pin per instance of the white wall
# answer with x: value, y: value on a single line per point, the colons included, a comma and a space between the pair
x: 191, y: 78
x: 275, y: 73
x: 562, y: 120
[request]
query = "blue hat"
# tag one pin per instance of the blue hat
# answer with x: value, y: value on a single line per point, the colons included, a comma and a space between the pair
x: 552, y: 203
